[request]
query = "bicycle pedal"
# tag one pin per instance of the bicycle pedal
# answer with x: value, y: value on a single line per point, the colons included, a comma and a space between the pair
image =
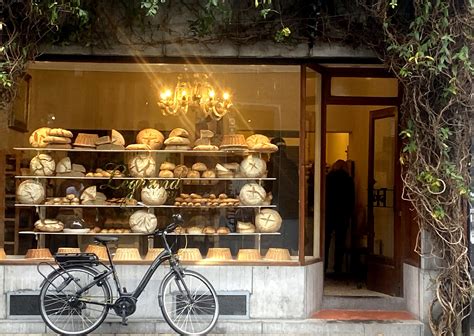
x: 124, y: 322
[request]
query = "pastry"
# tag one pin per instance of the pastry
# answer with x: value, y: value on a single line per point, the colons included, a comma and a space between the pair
x: 223, y: 230
x: 37, y: 137
x: 253, y: 167
x: 245, y: 227
x: 252, y: 194
x: 64, y: 165
x: 143, y: 222
x: 30, y: 192
x: 57, y: 140
x: 49, y: 225
x: 178, y: 132
x: 86, y: 140
x: 42, y: 165
x: 154, y: 195
x: 268, y: 220
x: 167, y: 166
x: 142, y: 166
x: 117, y: 138
x: 180, y: 171
x: 177, y: 141
x: 166, y: 174
x: 199, y: 166
x: 60, y: 132
x: 209, y: 230
x: 138, y: 147
x: 150, y: 137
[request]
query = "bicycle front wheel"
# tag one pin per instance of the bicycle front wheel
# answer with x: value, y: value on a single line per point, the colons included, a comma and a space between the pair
x: 67, y: 313
x: 189, y: 303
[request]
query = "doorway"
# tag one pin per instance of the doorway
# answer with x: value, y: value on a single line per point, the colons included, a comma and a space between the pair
x: 360, y: 142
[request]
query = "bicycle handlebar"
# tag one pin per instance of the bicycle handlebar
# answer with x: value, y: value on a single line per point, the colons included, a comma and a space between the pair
x: 177, y: 220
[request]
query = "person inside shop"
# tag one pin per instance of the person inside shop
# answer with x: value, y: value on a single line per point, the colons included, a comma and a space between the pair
x: 340, y: 199
x: 285, y: 193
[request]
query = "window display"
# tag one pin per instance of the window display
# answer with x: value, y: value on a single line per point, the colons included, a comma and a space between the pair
x: 233, y: 178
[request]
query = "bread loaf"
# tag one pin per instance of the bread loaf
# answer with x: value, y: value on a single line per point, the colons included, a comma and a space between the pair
x: 37, y: 137
x: 64, y: 165
x: 268, y: 221
x: 178, y: 132
x: 30, y: 192
x: 252, y: 194
x: 42, y: 165
x: 142, y: 166
x: 253, y: 167
x: 154, y: 195
x: 150, y: 137
x: 143, y: 222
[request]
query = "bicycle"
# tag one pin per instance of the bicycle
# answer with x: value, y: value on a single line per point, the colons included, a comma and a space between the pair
x: 76, y: 297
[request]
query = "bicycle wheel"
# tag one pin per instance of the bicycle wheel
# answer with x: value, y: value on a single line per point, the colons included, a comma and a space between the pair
x: 65, y: 312
x: 189, y: 303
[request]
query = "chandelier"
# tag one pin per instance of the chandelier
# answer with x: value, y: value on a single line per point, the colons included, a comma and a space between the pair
x: 196, y: 93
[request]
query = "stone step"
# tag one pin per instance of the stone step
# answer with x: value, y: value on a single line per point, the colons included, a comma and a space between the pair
x: 363, y: 303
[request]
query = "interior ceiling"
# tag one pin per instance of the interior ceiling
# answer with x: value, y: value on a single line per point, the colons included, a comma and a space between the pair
x: 162, y: 68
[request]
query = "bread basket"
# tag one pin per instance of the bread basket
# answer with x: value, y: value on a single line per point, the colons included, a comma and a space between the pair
x: 189, y: 254
x: 216, y: 253
x: 248, y: 255
x: 41, y: 253
x: 69, y: 250
x: 153, y: 253
x: 100, y: 251
x: 129, y: 254
x: 278, y: 254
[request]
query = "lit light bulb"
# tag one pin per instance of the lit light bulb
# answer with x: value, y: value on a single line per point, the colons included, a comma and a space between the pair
x: 212, y: 93
x: 226, y: 96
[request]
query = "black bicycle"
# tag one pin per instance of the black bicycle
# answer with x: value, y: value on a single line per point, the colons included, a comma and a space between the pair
x: 76, y: 297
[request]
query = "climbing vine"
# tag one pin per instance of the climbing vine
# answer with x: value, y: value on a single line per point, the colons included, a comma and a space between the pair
x: 426, y: 43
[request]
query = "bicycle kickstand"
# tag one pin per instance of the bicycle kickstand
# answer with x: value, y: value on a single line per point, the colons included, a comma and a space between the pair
x: 124, y: 318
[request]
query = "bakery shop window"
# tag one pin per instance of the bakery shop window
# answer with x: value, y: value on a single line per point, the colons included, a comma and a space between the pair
x: 118, y: 152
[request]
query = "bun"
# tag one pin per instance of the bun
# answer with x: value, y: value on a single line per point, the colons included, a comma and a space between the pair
x: 199, y: 166
x: 194, y: 230
x: 181, y: 171
x: 165, y: 174
x: 177, y: 141
x: 138, y: 147
x: 209, y: 230
x: 167, y: 166
x: 223, y: 230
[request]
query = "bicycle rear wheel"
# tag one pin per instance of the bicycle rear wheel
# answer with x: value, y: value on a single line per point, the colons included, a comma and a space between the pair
x: 67, y: 313
x: 189, y: 303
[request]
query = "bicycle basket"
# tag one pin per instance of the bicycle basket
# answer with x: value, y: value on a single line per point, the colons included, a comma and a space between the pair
x: 76, y: 258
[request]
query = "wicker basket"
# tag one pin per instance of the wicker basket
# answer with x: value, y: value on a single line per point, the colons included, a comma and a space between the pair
x: 41, y: 253
x: 189, y: 254
x: 129, y: 254
x: 215, y: 253
x: 278, y: 254
x: 248, y: 255
x: 153, y: 253
x: 100, y: 251
x: 3, y: 255
x: 69, y: 250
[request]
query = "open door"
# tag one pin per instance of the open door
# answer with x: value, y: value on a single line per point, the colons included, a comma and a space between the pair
x: 384, y: 273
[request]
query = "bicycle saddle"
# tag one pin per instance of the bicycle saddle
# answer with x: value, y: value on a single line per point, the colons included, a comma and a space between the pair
x: 105, y: 239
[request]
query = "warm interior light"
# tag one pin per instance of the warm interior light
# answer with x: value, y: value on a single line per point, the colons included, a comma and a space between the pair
x: 165, y: 94
x: 226, y: 96
x: 212, y: 93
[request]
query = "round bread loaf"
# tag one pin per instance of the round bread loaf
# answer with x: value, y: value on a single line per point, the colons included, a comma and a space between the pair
x: 245, y: 227
x: 252, y: 194
x: 193, y: 174
x: 177, y: 141
x: 166, y: 174
x: 51, y: 225
x: 180, y: 171
x: 194, y: 230
x: 253, y: 167
x: 209, y: 174
x: 256, y: 139
x: 178, y: 132
x: 151, y: 137
x: 64, y: 165
x: 42, y: 165
x: 199, y: 166
x: 142, y: 221
x: 223, y: 230
x: 37, y: 137
x: 30, y: 192
x: 167, y: 166
x: 154, y: 195
x: 142, y: 166
x: 268, y: 221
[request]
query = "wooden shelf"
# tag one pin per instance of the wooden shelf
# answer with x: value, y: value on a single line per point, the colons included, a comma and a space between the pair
x: 159, y: 151
x: 145, y: 235
x: 139, y: 206
x: 148, y: 178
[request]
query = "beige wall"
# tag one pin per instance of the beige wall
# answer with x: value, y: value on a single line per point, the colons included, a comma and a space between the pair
x: 128, y: 100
